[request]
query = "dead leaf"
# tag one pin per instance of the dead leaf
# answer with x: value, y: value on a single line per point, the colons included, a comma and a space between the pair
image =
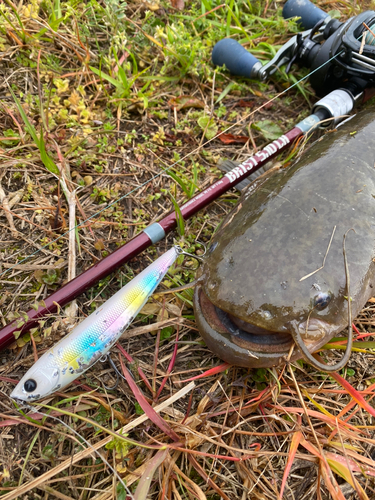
x: 268, y: 105
x: 186, y: 101
x: 175, y: 310
x: 171, y: 137
x: 153, y: 6
x: 233, y: 139
x: 186, y: 138
x: 99, y: 245
x: 178, y: 4
x: 13, y: 38
x: 246, y: 104
x: 250, y: 104
x: 162, y: 315
x: 120, y: 468
x: 150, y: 308
x: 5, y: 474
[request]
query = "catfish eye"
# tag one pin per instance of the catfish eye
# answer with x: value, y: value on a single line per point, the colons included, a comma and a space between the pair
x: 321, y: 300
x: 30, y: 385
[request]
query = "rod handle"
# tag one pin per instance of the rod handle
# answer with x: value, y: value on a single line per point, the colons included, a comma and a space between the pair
x: 236, y: 59
x: 309, y: 13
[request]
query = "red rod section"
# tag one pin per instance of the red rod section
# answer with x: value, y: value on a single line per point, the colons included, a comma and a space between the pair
x: 134, y: 247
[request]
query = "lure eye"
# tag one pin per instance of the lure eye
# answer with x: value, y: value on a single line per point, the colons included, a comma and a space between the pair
x: 30, y: 385
x: 322, y: 300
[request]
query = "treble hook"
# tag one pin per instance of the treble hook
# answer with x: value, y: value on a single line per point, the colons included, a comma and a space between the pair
x: 118, y: 373
x: 199, y: 258
x: 108, y: 358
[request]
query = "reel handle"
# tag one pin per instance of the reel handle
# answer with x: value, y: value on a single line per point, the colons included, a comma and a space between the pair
x: 237, y: 59
x: 309, y: 13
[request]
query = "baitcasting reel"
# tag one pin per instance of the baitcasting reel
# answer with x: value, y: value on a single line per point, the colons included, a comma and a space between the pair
x: 339, y: 55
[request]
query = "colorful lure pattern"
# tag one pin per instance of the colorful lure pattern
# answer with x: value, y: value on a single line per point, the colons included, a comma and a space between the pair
x: 92, y: 338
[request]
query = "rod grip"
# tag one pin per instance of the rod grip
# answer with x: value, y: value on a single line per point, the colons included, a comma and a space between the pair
x: 309, y: 13
x: 236, y: 59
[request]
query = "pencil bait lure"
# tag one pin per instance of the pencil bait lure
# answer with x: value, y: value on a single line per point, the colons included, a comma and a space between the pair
x: 94, y: 337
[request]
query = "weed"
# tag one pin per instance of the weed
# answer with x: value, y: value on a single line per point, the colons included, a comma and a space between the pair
x: 92, y: 84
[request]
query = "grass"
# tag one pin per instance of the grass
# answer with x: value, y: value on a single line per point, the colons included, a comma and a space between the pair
x: 112, y: 93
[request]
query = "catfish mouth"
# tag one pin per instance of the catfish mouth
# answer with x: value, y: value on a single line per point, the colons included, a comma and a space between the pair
x: 243, y: 334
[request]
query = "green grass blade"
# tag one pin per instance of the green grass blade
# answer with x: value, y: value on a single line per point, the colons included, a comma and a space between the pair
x: 229, y: 18
x: 179, y: 218
x: 58, y: 11
x: 121, y: 72
x: 33, y: 441
x: 115, y: 83
x: 180, y: 182
x: 226, y: 91
x: 77, y: 238
x: 30, y: 128
x: 184, y: 299
x: 193, y: 185
x: 46, y: 159
x: 135, y: 66
x: 11, y: 6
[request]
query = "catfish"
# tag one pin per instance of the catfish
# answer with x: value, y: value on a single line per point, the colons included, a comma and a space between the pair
x: 274, y: 284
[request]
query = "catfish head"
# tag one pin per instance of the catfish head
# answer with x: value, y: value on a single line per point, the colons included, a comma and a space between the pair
x: 275, y: 274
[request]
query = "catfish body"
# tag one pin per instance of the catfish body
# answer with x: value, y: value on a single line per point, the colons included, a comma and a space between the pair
x: 258, y: 277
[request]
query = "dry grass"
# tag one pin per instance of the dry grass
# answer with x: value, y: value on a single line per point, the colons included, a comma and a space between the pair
x: 233, y: 434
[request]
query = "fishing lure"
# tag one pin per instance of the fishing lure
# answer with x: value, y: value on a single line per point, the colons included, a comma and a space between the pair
x: 94, y: 337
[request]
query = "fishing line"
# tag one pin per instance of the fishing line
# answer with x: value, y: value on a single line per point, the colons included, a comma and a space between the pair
x: 22, y: 404
x: 168, y: 168
x: 103, y: 360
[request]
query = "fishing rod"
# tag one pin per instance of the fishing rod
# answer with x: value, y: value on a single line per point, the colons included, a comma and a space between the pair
x: 333, y: 106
